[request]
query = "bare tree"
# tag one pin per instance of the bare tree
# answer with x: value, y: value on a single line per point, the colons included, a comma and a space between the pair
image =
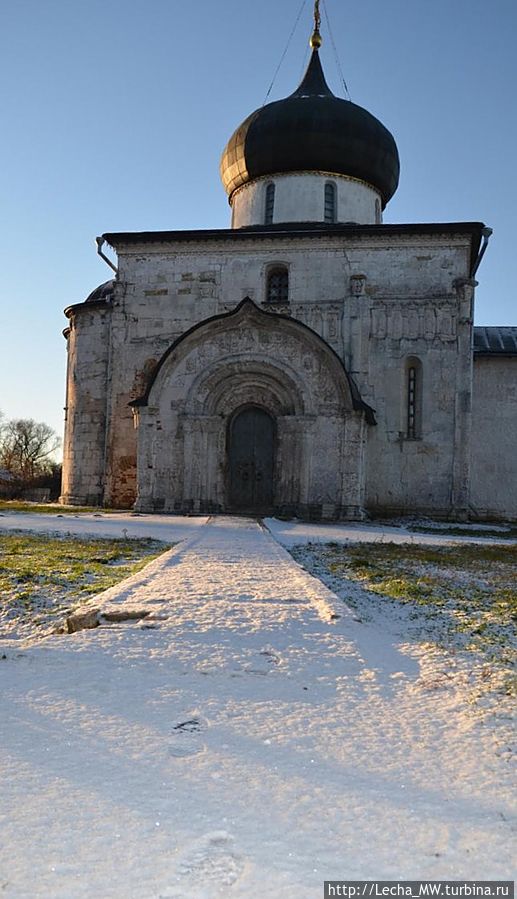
x: 26, y: 448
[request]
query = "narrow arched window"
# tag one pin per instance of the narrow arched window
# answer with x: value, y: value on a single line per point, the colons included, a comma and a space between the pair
x: 330, y: 202
x: 413, y: 399
x: 277, y: 285
x: 378, y: 212
x: 270, y: 204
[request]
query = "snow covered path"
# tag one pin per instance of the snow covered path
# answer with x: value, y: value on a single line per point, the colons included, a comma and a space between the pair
x: 244, y: 743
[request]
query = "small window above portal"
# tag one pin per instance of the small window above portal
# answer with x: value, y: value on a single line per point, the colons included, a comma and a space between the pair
x: 277, y: 285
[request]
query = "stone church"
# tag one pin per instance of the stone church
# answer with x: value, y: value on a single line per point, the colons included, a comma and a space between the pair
x: 311, y: 360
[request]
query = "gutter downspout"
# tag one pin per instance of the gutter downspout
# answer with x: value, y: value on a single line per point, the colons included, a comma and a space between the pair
x: 100, y: 241
x: 487, y: 233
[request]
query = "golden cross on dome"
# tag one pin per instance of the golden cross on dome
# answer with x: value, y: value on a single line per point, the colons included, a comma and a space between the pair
x: 315, y: 41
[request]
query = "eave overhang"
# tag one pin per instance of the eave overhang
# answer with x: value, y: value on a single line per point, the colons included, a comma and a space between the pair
x: 310, y: 230
x: 84, y: 307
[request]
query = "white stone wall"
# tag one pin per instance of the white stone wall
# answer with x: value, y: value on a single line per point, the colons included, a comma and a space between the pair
x: 301, y: 198
x: 85, y: 406
x: 375, y: 299
x: 167, y: 288
x: 493, y: 492
x: 429, y: 472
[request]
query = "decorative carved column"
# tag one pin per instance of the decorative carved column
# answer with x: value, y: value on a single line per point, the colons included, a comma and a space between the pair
x: 460, y: 491
x: 203, y: 488
x: 295, y: 462
x: 353, y: 467
x: 144, y: 422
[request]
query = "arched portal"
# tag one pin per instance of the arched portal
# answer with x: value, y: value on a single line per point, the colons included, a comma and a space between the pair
x: 298, y: 449
x: 251, y: 460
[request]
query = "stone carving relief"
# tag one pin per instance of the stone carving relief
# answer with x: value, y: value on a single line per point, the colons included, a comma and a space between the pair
x: 324, y: 321
x: 411, y: 322
x: 358, y: 285
x: 244, y: 355
x: 465, y: 287
x: 249, y: 359
x: 332, y: 329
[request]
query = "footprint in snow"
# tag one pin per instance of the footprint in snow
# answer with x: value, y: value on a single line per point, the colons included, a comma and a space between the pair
x: 268, y: 659
x: 211, y: 861
x: 186, y: 737
x: 270, y: 655
x: 190, y: 726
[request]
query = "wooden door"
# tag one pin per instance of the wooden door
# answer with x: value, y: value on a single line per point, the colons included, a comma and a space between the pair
x: 251, y: 460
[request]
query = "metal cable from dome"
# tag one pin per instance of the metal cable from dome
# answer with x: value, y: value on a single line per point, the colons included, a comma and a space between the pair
x: 332, y: 41
x: 302, y: 7
x: 304, y: 63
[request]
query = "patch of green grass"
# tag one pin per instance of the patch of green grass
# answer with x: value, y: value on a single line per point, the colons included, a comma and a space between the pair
x: 47, y: 574
x: 509, y: 533
x: 461, y: 596
x: 16, y: 505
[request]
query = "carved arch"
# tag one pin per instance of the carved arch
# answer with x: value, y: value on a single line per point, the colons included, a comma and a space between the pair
x: 250, y: 357
x: 238, y: 326
x: 217, y: 390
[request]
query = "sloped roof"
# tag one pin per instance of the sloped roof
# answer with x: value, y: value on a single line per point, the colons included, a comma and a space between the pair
x: 495, y: 341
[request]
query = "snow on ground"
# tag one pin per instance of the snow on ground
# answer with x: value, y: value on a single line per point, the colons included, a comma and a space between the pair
x: 172, y: 528
x: 43, y: 578
x: 239, y: 742
x: 169, y: 528
x: 292, y: 533
x: 454, y: 613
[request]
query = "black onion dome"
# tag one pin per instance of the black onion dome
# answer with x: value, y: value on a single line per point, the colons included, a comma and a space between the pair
x: 312, y: 130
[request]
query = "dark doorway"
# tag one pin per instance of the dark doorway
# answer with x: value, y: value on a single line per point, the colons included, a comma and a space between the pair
x: 251, y: 450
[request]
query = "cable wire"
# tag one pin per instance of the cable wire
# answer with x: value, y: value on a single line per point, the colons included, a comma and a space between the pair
x: 302, y: 7
x: 304, y: 63
x: 340, y: 70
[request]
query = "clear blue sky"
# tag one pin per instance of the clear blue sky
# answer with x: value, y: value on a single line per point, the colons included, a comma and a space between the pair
x: 115, y: 114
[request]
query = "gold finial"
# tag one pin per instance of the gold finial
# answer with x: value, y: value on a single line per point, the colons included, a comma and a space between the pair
x: 315, y: 41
